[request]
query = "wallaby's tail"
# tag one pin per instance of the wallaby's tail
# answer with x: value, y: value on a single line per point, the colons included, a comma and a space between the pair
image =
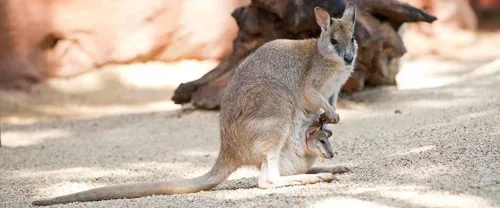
x: 219, y: 172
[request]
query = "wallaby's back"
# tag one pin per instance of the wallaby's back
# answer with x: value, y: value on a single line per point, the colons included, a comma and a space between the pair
x: 268, y: 79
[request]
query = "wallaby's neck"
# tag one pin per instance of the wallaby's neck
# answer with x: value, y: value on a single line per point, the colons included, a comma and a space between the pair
x: 316, y: 60
x: 324, y: 63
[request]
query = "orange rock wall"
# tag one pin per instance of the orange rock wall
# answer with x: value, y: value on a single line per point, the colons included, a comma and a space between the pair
x: 60, y: 38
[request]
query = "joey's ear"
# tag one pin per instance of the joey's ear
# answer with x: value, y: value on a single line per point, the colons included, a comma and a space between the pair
x: 311, y: 131
x: 322, y: 18
x: 349, y: 13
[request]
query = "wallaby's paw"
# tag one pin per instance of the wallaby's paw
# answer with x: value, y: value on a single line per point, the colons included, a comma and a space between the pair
x: 327, y: 177
x: 330, y: 117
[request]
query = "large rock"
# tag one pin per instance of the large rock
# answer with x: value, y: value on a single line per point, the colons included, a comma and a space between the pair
x: 51, y: 38
x: 380, y: 46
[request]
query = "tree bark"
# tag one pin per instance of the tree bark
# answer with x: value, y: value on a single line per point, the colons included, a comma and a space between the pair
x: 377, y: 23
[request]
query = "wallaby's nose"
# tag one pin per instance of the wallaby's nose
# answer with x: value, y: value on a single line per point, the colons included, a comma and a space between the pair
x: 329, y: 155
x: 348, y: 59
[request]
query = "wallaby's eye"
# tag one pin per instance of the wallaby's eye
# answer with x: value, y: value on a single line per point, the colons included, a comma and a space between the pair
x: 333, y: 41
x: 352, y: 39
x: 322, y: 141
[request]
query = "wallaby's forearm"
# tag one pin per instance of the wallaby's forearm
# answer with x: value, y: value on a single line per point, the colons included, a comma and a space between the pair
x: 317, y: 101
x: 333, y: 100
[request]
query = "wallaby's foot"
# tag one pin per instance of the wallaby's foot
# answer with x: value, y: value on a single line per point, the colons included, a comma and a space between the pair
x: 264, y: 184
x: 297, y: 180
x: 320, y: 177
x: 326, y: 177
x: 333, y: 170
x: 332, y: 117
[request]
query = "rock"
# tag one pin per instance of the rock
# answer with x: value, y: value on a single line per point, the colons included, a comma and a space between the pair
x: 40, y: 39
x: 380, y: 46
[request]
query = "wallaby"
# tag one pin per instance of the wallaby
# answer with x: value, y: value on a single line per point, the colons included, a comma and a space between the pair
x: 276, y: 95
x: 317, y: 143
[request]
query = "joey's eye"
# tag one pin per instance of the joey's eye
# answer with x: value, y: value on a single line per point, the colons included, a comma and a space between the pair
x: 352, y: 40
x: 322, y: 141
x: 333, y: 41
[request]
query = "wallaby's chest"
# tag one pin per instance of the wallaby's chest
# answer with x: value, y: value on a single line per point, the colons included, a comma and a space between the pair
x: 335, y: 82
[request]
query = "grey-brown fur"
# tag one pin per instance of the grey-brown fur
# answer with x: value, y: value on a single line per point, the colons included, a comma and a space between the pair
x: 277, y: 93
x: 317, y: 142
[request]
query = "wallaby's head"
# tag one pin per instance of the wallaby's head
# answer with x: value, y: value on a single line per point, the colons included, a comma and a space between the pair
x: 336, y: 41
x: 317, y: 142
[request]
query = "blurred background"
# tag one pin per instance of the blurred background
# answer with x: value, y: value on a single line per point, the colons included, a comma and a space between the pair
x: 90, y: 58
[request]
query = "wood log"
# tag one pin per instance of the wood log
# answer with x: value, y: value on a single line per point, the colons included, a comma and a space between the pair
x: 380, y: 46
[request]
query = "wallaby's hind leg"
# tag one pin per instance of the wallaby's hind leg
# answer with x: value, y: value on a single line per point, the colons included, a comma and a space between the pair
x: 334, y: 170
x: 270, y: 174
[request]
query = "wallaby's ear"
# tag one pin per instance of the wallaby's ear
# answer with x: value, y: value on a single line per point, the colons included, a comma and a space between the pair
x: 322, y: 18
x: 349, y: 13
x: 311, y: 131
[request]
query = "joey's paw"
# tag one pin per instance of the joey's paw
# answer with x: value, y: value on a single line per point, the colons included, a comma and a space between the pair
x: 327, y: 177
x: 330, y: 117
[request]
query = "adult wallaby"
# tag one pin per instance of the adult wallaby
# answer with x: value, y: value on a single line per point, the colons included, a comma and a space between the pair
x: 277, y: 93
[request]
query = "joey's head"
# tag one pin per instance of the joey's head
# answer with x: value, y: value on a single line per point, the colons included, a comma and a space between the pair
x: 317, y: 142
x: 336, y: 41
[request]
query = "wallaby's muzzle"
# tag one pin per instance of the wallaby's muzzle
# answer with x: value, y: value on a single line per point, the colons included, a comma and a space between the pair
x: 328, y: 155
x: 348, y: 59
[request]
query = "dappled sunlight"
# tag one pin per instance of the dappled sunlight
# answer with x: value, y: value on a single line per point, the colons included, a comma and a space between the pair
x: 157, y: 75
x: 346, y: 202
x: 79, y: 111
x: 198, y: 153
x: 441, y: 104
x: 436, y: 198
x: 474, y: 115
x: 138, y: 75
x: 112, y: 90
x: 88, y: 173
x: 419, y: 75
x: 249, y: 194
x: 244, y: 172
x: 422, y: 172
x: 377, y: 188
x: 23, y: 138
x: 417, y: 195
x: 409, y: 151
x: 64, y: 188
x: 69, y: 180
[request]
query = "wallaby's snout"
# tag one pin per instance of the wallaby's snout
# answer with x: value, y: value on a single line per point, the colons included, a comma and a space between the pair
x: 348, y: 59
x: 329, y: 155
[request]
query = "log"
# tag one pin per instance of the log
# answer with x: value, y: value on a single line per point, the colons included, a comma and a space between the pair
x: 380, y: 46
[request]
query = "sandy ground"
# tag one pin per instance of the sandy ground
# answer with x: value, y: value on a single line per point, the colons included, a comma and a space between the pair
x: 433, y: 141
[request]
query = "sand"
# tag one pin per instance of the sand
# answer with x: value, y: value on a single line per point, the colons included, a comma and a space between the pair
x: 433, y: 141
